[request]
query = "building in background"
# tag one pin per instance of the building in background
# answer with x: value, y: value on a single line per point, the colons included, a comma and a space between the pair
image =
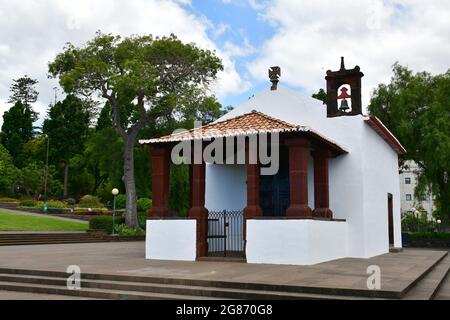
x: 409, y: 174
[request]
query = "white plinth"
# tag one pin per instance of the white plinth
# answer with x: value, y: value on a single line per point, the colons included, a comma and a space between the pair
x: 295, y: 242
x: 171, y: 240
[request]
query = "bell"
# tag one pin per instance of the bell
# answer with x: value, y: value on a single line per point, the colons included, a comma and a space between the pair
x: 344, y: 106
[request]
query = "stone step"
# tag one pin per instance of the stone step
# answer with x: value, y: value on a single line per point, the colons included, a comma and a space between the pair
x: 183, y: 290
x: 428, y: 286
x: 302, y: 292
x: 93, y: 293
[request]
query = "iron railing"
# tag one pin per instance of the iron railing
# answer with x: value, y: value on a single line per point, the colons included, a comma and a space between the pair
x: 225, y: 233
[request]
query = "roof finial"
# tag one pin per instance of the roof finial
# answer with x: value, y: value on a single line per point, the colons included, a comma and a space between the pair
x: 274, y: 76
x: 342, y: 64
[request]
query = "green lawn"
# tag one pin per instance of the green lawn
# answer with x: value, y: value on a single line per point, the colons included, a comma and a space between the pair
x: 19, y: 222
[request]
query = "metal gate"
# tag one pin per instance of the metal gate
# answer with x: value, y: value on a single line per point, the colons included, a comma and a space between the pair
x: 225, y: 233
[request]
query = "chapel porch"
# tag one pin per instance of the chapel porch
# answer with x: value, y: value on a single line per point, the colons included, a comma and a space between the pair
x: 289, y: 185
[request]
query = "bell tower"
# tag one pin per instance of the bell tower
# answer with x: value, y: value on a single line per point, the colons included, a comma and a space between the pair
x: 344, y: 91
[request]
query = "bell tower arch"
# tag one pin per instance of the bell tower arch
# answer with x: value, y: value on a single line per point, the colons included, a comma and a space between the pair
x: 344, y: 91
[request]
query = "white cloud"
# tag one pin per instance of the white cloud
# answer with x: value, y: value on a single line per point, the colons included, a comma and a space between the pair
x: 312, y: 35
x: 33, y: 32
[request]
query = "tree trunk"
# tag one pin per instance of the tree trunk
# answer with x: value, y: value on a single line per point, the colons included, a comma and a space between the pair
x: 66, y: 178
x: 131, y: 218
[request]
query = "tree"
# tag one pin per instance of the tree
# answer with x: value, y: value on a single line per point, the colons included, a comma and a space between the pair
x: 416, y: 108
x: 17, y: 129
x: 321, y: 95
x: 67, y: 127
x: 32, y: 180
x: 140, y: 76
x: 8, y: 172
x: 23, y: 90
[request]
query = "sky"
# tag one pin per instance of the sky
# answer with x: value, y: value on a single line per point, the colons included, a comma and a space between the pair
x: 305, y: 38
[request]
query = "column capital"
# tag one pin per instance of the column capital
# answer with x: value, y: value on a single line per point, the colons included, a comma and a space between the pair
x: 298, y: 142
x: 321, y: 153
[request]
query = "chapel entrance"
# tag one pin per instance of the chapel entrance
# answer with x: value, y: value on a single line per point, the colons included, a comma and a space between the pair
x: 225, y: 234
x: 275, y: 189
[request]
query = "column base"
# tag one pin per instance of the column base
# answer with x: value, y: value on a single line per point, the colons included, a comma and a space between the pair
x: 158, y: 212
x: 201, y: 215
x: 323, y: 213
x: 252, y: 212
x: 298, y: 211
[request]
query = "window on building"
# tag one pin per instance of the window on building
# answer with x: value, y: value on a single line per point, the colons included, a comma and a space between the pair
x: 407, y: 180
x: 424, y: 197
x: 409, y: 197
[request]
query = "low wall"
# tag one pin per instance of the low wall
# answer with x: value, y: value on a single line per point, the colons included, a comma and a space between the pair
x: 295, y: 242
x: 172, y: 239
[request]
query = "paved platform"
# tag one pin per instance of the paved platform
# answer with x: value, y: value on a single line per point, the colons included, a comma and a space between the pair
x: 11, y: 295
x: 398, y: 270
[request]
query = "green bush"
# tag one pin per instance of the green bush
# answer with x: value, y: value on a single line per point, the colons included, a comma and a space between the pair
x: 9, y: 200
x: 123, y: 230
x: 55, y: 204
x: 429, y: 236
x: 143, y: 204
x: 104, y: 223
x: 121, y: 201
x: 89, y: 201
x: 142, y: 219
x: 71, y: 201
x: 28, y: 203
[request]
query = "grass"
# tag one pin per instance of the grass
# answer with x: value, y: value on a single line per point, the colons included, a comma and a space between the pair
x: 20, y: 222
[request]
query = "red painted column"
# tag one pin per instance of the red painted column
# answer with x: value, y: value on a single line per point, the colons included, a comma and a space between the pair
x: 321, y: 186
x: 160, y: 181
x: 298, y: 178
x: 253, y: 209
x: 198, y: 210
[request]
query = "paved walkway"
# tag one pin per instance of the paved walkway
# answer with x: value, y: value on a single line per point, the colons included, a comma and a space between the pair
x: 42, y: 215
x: 398, y: 270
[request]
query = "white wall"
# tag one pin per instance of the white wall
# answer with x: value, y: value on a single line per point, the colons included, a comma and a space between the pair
x: 381, y: 177
x: 295, y: 242
x: 226, y: 187
x: 171, y: 240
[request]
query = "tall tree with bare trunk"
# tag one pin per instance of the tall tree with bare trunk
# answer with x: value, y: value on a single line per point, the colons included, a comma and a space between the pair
x: 144, y: 79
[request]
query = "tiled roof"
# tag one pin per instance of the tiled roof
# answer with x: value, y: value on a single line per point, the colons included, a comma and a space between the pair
x: 251, y: 123
x: 246, y: 124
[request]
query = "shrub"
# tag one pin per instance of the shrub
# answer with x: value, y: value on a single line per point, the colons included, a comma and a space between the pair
x: 142, y: 219
x: 123, y: 230
x: 28, y: 203
x: 104, y: 223
x: 55, y: 204
x: 9, y: 200
x: 121, y: 201
x: 89, y: 201
x: 143, y: 204
x: 429, y: 236
x: 71, y: 201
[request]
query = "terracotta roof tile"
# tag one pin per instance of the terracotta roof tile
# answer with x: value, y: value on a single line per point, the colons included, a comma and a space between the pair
x: 249, y: 123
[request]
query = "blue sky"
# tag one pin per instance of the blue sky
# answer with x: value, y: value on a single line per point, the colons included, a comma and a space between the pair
x: 305, y: 38
x: 242, y: 24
